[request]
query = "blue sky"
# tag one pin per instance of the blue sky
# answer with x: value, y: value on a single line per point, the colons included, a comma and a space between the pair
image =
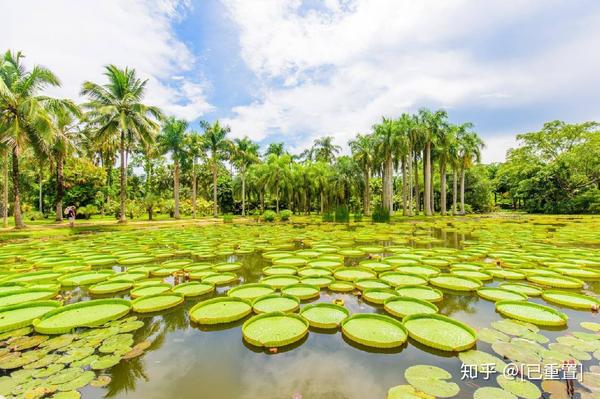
x: 293, y: 70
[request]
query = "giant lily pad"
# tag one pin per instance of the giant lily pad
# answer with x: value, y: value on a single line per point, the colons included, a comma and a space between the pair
x: 280, y: 281
x: 481, y: 360
x: 302, y: 291
x: 85, y: 278
x: 152, y: 289
x: 532, y: 313
x: 404, y: 306
x: 571, y: 299
x: 324, y: 315
x: 82, y: 314
x: 353, y: 273
x: 456, y: 283
x: 421, y: 292
x: 369, y: 283
x: 319, y: 281
x: 276, y: 303
x: 23, y: 314
x: 378, y: 295
x: 341, y: 286
x: 110, y: 287
x: 520, y: 387
x: 220, y: 278
x: 500, y: 294
x: 26, y: 295
x: 440, y: 332
x: 526, y: 289
x: 374, y: 330
x: 274, y: 329
x: 397, y: 279
x: 556, y: 281
x: 220, y: 310
x: 193, y: 288
x: 250, y: 291
x: 157, y: 302
x: 431, y: 380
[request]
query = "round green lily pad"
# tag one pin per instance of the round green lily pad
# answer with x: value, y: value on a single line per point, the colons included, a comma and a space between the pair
x: 290, y: 261
x: 276, y: 303
x: 456, y: 283
x: 397, y: 279
x: 481, y: 360
x: 151, y: 289
x: 492, y: 393
x: 341, y: 286
x: 571, y: 299
x: 193, y: 288
x: 105, y: 362
x: 314, y: 271
x: 431, y: 380
x: 519, y: 387
x: 526, y: 289
x: 302, y: 291
x: 85, y: 278
x: 324, y: 315
x: 110, y: 287
x: 280, y: 281
x: 440, y: 332
x: 250, y: 291
x: 81, y: 314
x: 490, y: 336
x: 532, y: 313
x: 220, y: 310
x: 353, y: 273
x: 556, y: 281
x: 220, y: 278
x: 367, y: 283
x: 279, y: 270
x: 421, y: 292
x: 319, y: 281
x: 26, y: 295
x: 23, y: 314
x: 375, y: 330
x: 400, y: 306
x: 157, y: 302
x: 378, y: 295
x: 274, y: 329
x: 500, y: 294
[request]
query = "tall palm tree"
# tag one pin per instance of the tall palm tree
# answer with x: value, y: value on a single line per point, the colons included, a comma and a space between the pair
x: 363, y: 152
x: 4, y: 150
x: 324, y: 150
x: 116, y: 109
x: 279, y: 173
x: 386, y: 134
x: 401, y: 153
x: 24, y: 120
x: 320, y: 173
x: 445, y: 150
x: 215, y: 140
x: 469, y: 151
x: 245, y: 153
x: 172, y: 140
x: 432, y: 125
x: 275, y: 148
x: 195, y: 149
x: 66, y: 116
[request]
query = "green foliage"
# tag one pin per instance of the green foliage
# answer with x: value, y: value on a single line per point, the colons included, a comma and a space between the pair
x: 34, y: 215
x: 328, y: 217
x: 269, y: 216
x: 380, y: 215
x: 285, y: 215
x: 88, y: 211
x: 228, y: 218
x: 342, y: 214
x: 358, y: 216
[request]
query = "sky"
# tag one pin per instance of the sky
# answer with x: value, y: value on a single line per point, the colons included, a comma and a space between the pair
x: 294, y: 70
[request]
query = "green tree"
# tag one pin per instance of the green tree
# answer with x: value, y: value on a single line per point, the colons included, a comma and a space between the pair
x: 278, y: 175
x: 323, y: 150
x: 363, y: 152
x: 215, y: 140
x: 386, y: 137
x: 245, y: 153
x: 115, y: 109
x: 470, y: 146
x: 195, y: 149
x: 172, y: 140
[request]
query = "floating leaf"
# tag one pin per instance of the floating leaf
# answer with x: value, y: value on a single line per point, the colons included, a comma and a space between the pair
x: 521, y: 388
x: 274, y: 329
x: 374, y: 330
x: 432, y: 380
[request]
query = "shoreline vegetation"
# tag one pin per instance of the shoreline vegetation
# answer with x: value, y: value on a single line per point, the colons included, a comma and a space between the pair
x: 116, y: 158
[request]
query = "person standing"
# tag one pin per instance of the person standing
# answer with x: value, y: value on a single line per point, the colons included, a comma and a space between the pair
x: 70, y: 212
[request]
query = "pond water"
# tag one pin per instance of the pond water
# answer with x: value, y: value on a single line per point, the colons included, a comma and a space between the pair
x: 186, y: 360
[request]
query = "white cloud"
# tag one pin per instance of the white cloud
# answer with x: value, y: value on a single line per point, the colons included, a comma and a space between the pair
x: 496, y: 147
x: 337, y: 70
x: 76, y: 39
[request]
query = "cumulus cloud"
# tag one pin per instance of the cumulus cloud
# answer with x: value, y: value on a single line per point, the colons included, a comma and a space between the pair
x: 75, y: 39
x: 337, y: 69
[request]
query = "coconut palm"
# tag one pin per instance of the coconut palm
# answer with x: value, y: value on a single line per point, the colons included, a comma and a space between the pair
x: 194, y: 145
x: 363, y: 152
x: 116, y: 109
x: 172, y: 140
x: 215, y: 140
x: 245, y: 153
x: 401, y: 153
x: 66, y: 116
x: 323, y: 150
x: 446, y: 149
x: 386, y: 136
x: 320, y: 174
x: 24, y: 120
x: 470, y: 146
x: 4, y: 151
x: 278, y: 174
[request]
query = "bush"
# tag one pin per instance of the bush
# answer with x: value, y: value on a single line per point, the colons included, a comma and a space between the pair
x: 468, y: 209
x: 87, y: 211
x: 228, y: 218
x: 342, y: 214
x: 380, y: 215
x: 34, y: 215
x: 358, y: 216
x: 328, y: 217
x: 269, y: 216
x: 285, y: 215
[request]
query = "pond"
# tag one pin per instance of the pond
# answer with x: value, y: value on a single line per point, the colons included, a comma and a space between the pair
x: 179, y: 358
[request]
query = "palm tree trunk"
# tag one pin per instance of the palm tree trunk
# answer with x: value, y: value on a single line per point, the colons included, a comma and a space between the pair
x: 322, y: 203
x: 16, y: 196
x: 214, y: 176
x: 387, y: 185
x: 277, y: 200
x: 454, y: 190
x: 122, y: 218
x: 176, y: 191
x: 443, y: 187
x: 367, y: 193
x: 243, y: 194
x: 417, y: 189
x: 410, y: 183
x: 60, y: 188
x: 5, y: 192
x: 432, y: 189
x: 404, y: 187
x: 194, y: 189
x: 462, y: 191
x: 427, y: 178
x: 41, y: 192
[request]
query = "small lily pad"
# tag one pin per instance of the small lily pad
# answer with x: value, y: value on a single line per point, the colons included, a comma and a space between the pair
x: 432, y: 380
x: 519, y: 387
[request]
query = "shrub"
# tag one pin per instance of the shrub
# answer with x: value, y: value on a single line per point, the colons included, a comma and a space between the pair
x: 358, y: 216
x: 285, y: 215
x: 87, y: 211
x: 342, y: 214
x: 34, y: 215
x: 468, y: 209
x: 269, y: 216
x: 228, y: 218
x: 380, y: 215
x: 328, y: 217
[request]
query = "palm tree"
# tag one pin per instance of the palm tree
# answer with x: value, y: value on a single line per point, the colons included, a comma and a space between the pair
x: 432, y: 125
x: 115, y: 109
x: 24, y: 120
x: 470, y: 146
x: 320, y: 176
x: 363, y: 152
x: 215, y: 140
x: 245, y: 153
x: 195, y: 149
x: 402, y: 150
x: 276, y: 149
x: 172, y: 139
x: 4, y: 151
x: 279, y: 173
x: 386, y: 134
x: 66, y: 116
x: 324, y: 150
x: 445, y: 151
